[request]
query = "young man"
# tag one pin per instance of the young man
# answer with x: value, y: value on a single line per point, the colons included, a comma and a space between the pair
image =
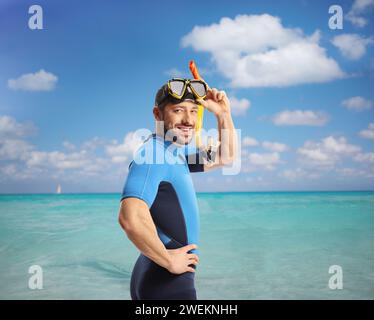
x: 158, y: 210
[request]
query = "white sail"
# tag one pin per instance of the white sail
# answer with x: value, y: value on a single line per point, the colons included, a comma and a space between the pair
x: 58, y: 191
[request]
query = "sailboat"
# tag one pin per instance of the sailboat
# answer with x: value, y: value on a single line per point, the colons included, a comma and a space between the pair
x: 58, y: 191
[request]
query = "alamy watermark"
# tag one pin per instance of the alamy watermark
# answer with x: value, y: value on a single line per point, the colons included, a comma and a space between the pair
x: 36, y: 279
x: 336, y: 280
x: 176, y: 152
x: 36, y: 20
x: 336, y: 20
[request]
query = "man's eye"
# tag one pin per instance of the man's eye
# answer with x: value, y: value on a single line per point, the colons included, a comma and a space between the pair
x: 194, y: 111
x: 177, y: 110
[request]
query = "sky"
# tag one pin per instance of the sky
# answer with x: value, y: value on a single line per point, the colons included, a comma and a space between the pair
x: 74, y: 93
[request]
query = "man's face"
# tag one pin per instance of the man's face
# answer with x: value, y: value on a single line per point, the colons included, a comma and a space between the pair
x: 181, y: 119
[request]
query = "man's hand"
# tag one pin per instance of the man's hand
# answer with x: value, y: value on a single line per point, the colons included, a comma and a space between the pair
x: 216, y: 102
x: 180, y: 259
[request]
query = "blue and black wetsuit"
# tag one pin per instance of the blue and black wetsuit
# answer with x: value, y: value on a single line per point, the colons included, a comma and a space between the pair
x: 160, y: 176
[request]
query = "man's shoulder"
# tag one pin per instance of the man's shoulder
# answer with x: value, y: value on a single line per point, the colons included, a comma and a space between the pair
x: 150, y: 146
x: 151, y: 153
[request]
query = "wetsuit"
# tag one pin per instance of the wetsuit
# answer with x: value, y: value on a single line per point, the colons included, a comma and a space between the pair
x: 160, y: 176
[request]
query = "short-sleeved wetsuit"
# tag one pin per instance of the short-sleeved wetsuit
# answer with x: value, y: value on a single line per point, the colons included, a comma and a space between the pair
x: 160, y: 176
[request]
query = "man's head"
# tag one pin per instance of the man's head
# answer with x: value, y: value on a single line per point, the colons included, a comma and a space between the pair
x: 179, y: 116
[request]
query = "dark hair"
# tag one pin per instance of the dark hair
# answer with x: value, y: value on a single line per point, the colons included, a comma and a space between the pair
x: 162, y: 97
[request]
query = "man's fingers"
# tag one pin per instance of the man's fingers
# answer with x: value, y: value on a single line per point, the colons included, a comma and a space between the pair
x: 193, y: 256
x: 189, y: 269
x: 221, y: 95
x: 209, y: 95
x: 214, y: 93
x: 189, y: 247
x: 202, y: 102
x: 192, y: 261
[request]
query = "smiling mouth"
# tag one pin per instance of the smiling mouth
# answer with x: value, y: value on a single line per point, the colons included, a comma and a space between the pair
x: 185, y: 129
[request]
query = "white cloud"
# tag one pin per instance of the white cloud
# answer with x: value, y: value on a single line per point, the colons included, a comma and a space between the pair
x: 258, y: 51
x: 69, y: 146
x: 339, y: 145
x: 79, y: 163
x: 365, y: 157
x: 327, y: 152
x: 9, y: 169
x: 9, y: 127
x: 15, y: 172
x: 357, y: 20
x: 269, y: 145
x: 359, y: 8
x: 357, y: 103
x: 266, y: 161
x: 120, y: 152
x: 316, y: 155
x: 275, y: 146
x: 58, y: 160
x: 249, y: 142
x: 300, y: 118
x: 93, y: 144
x: 239, y: 106
x: 38, y: 81
x: 369, y: 132
x: 298, y: 173
x: 14, y: 149
x: 22, y: 160
x: 352, y: 46
x: 85, y: 160
x: 345, y: 172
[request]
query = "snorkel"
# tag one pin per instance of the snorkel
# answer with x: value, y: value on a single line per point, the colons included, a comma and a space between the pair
x: 211, y: 147
x: 200, y: 112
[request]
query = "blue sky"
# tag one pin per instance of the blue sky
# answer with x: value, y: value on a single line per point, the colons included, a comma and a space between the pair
x: 72, y: 94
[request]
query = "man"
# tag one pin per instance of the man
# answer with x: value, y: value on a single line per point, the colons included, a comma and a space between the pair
x: 158, y: 210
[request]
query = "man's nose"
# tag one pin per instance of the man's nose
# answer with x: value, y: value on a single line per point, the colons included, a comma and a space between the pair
x: 187, y: 118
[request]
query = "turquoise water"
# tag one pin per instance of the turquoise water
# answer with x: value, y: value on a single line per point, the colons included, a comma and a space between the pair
x: 268, y: 245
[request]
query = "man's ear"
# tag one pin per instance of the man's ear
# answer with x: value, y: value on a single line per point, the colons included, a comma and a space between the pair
x: 157, y: 113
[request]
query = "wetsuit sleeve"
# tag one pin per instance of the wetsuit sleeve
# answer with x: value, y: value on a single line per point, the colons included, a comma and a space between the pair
x: 143, y: 180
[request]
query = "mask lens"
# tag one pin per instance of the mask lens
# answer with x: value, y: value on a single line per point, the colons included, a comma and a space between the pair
x: 199, y: 88
x: 177, y: 87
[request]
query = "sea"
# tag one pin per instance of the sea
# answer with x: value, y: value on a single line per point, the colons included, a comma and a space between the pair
x: 253, y: 245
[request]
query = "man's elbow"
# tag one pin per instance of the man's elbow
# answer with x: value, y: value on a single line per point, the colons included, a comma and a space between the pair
x: 227, y: 157
x: 125, y: 222
x: 224, y: 161
x: 122, y: 221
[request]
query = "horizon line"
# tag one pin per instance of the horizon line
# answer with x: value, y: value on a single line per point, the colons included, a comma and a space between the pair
x: 198, y: 192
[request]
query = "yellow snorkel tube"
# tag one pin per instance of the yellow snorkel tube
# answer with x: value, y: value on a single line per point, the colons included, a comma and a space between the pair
x: 200, y: 111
